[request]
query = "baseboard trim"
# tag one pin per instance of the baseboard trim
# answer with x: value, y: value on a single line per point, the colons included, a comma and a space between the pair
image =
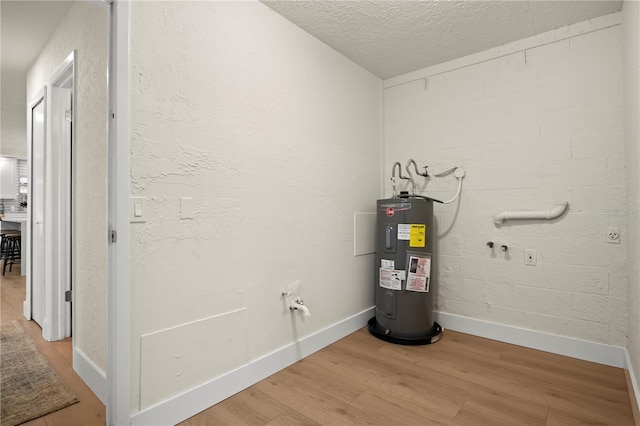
x: 91, y: 374
x: 632, y: 386
x: 575, y: 348
x: 26, y: 310
x: 193, y: 401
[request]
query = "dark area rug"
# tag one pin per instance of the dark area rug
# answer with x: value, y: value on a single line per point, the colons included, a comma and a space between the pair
x: 29, y: 387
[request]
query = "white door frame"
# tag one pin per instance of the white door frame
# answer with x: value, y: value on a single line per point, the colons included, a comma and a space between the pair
x: 59, y: 210
x: 41, y: 96
x: 118, y: 305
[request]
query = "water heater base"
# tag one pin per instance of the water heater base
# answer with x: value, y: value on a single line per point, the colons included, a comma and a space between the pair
x: 414, y: 341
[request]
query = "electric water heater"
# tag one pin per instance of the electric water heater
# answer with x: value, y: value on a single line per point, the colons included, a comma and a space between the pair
x: 404, y: 271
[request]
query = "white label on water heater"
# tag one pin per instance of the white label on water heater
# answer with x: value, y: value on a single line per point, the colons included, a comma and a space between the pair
x: 387, y: 264
x: 390, y: 279
x: 404, y: 231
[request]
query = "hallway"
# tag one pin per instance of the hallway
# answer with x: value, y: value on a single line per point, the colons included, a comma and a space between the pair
x: 89, y: 411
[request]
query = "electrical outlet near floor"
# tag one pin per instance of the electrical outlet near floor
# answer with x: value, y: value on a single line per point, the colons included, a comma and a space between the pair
x: 530, y: 257
x: 613, y: 235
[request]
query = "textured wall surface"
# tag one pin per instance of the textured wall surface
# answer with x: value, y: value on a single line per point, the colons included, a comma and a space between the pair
x: 85, y: 29
x: 531, y: 128
x: 275, y: 138
x: 631, y: 43
x: 13, y: 104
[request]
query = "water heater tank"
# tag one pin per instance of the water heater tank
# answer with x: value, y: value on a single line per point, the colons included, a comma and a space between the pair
x: 403, y: 271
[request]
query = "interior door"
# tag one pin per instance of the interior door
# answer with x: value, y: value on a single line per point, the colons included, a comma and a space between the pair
x: 37, y: 210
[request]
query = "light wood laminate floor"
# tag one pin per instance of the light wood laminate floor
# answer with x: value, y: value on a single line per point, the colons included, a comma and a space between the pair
x: 89, y: 411
x: 460, y: 380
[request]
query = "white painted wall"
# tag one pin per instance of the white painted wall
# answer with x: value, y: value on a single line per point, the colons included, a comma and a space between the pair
x: 276, y: 139
x: 13, y: 104
x: 534, y: 122
x: 631, y: 73
x: 85, y: 29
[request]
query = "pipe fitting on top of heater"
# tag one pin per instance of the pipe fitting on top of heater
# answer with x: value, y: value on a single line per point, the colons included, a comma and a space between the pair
x: 393, y: 176
x: 554, y: 213
x: 415, y: 167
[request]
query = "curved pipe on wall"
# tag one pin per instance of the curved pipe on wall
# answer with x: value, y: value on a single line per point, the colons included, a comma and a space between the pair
x: 554, y: 213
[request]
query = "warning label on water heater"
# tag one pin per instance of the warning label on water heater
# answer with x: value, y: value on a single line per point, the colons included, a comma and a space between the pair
x: 404, y: 231
x: 391, y: 279
x: 418, y: 235
x: 419, y: 273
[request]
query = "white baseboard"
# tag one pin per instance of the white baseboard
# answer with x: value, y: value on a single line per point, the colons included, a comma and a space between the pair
x: 575, y: 348
x: 91, y: 374
x: 634, y: 389
x: 193, y: 401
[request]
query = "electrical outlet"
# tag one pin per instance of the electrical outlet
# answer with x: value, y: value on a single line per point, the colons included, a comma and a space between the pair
x: 613, y: 235
x: 530, y: 257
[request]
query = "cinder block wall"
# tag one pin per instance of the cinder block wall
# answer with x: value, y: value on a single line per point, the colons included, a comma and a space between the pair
x: 631, y: 54
x: 538, y: 125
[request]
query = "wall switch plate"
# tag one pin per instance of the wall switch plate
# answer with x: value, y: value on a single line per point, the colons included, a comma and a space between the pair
x: 186, y: 208
x: 613, y: 235
x: 530, y: 257
x: 137, y: 209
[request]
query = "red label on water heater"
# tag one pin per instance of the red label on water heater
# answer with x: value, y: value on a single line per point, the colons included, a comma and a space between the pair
x: 390, y: 211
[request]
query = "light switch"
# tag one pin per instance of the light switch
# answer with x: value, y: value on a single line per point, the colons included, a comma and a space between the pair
x: 137, y: 209
x: 186, y: 208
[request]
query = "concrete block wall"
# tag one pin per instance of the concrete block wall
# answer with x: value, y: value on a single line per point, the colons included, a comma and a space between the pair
x: 539, y: 124
x: 631, y: 53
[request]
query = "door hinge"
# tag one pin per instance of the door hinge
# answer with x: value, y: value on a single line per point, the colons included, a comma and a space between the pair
x: 67, y: 295
x: 114, y: 236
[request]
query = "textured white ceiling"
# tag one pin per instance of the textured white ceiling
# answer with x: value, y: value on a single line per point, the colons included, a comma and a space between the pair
x: 388, y: 38
x: 391, y: 38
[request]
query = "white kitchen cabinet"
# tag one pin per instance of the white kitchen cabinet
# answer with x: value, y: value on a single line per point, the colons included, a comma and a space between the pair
x: 8, y: 178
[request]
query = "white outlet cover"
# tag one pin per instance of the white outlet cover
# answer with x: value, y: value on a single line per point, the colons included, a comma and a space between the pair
x: 530, y: 257
x: 613, y: 235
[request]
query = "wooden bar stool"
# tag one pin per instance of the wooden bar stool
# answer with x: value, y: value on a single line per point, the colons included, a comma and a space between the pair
x: 9, y: 249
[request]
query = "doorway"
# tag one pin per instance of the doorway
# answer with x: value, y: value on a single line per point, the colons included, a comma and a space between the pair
x: 34, y: 303
x: 59, y: 192
x: 63, y: 28
x: 49, y: 276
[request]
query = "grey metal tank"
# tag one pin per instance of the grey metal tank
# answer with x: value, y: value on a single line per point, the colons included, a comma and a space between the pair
x: 403, y: 284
